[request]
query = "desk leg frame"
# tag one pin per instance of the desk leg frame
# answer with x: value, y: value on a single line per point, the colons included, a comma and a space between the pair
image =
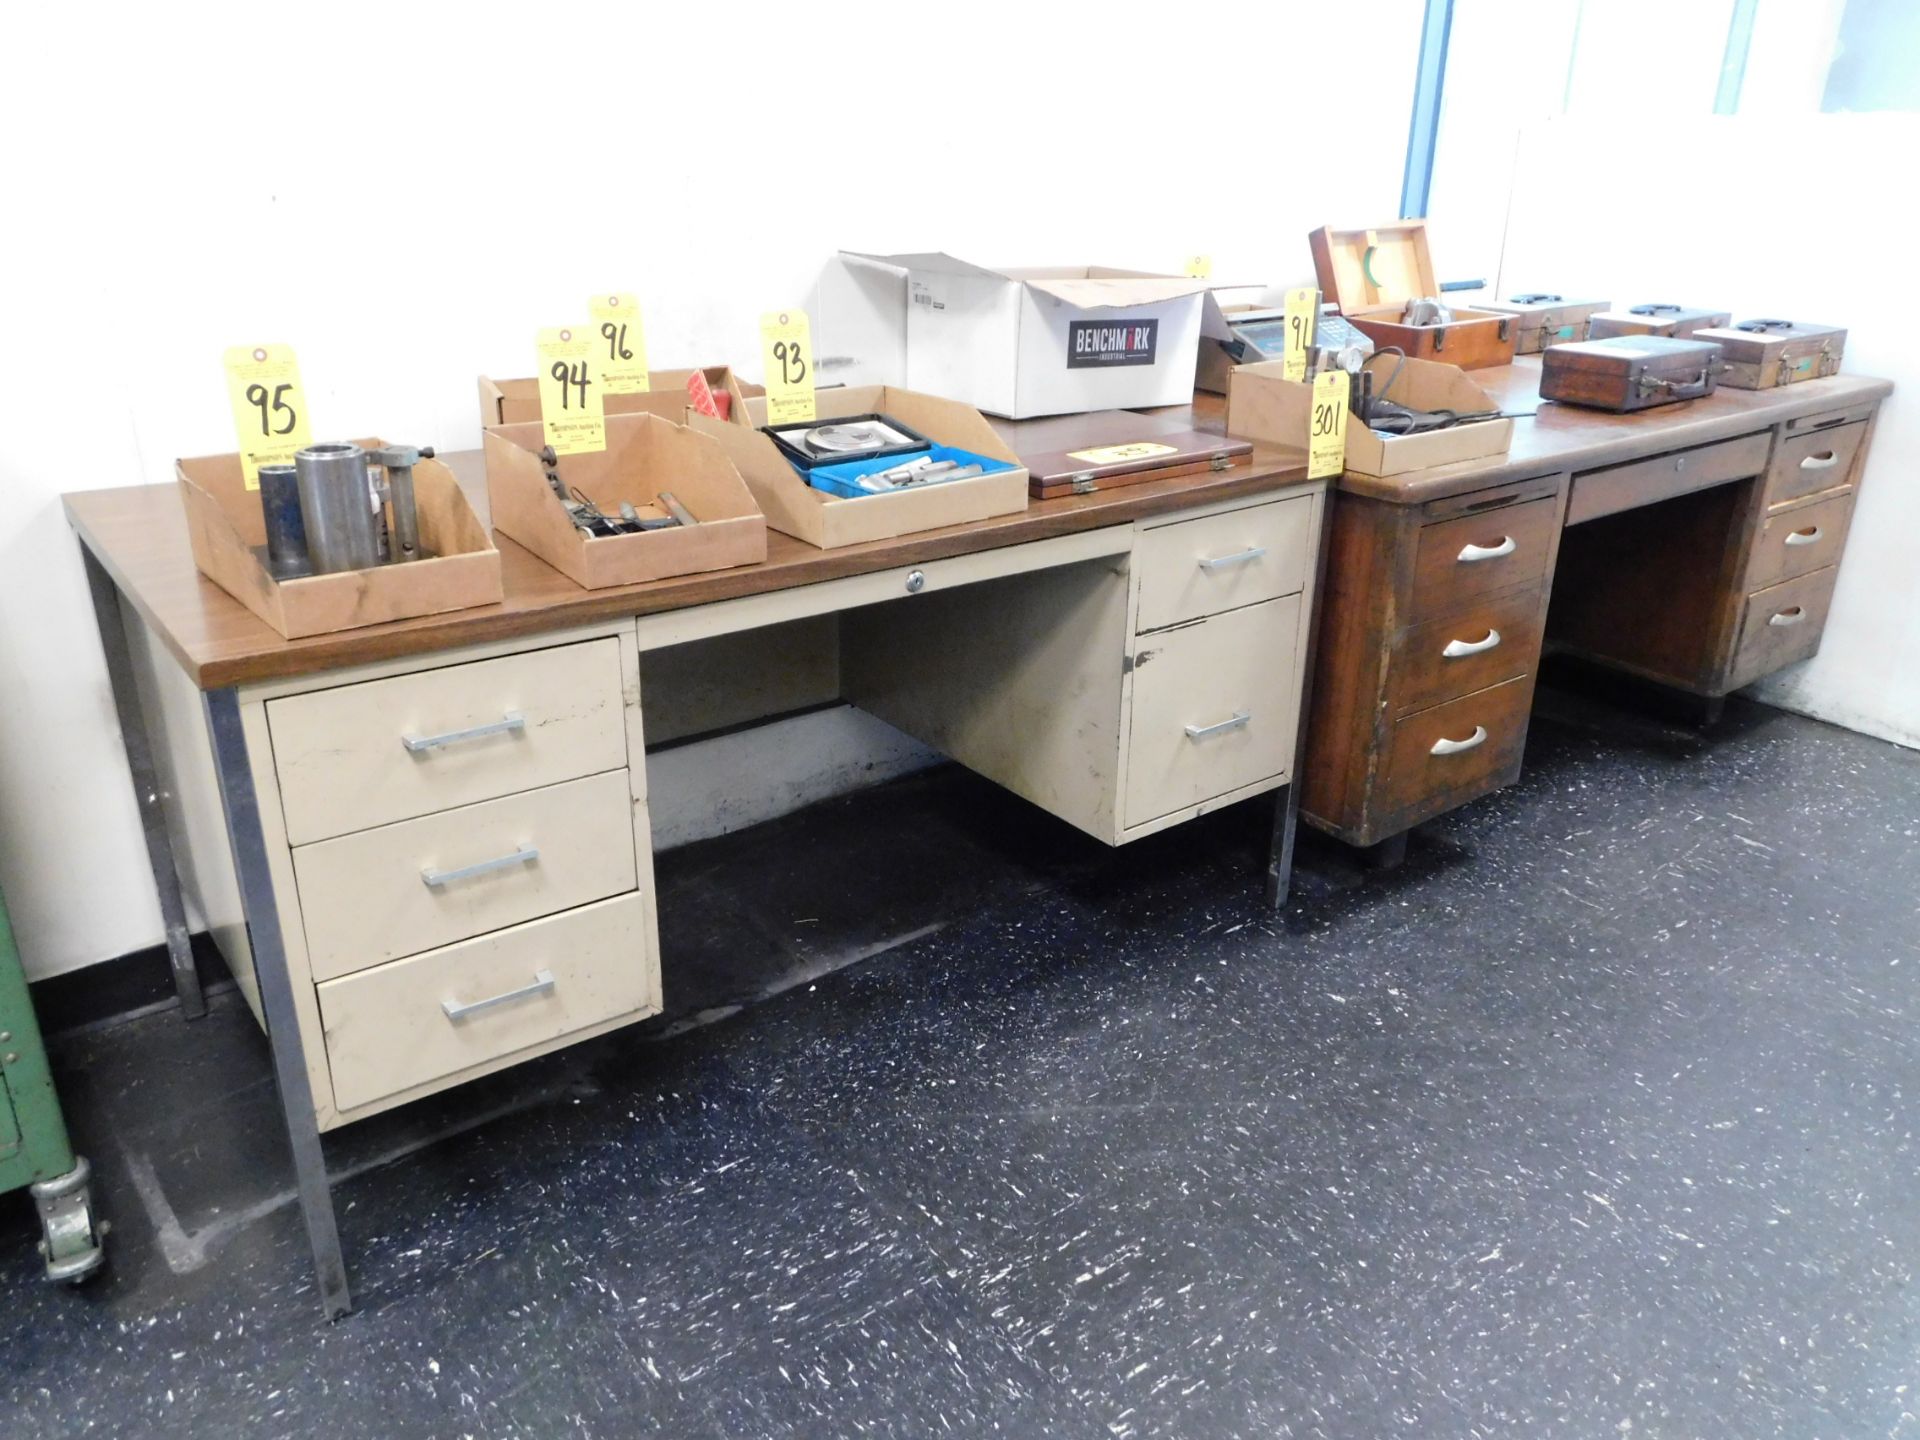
x: 242, y: 806
x: 1286, y: 803
x: 146, y: 785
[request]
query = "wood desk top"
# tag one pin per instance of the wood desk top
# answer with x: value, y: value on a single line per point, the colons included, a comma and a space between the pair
x: 1568, y: 437
x: 139, y: 534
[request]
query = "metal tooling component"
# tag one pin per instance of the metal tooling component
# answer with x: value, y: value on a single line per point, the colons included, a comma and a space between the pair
x: 671, y: 504
x: 398, y: 461
x: 336, y: 505
x: 280, y: 504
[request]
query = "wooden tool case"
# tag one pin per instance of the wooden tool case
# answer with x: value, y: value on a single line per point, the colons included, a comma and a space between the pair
x: 1541, y: 320
x: 1678, y: 321
x: 1629, y: 372
x: 1372, y: 274
x: 1761, y: 354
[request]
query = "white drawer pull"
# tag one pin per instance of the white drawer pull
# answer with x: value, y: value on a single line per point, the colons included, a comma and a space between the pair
x: 1456, y: 648
x: 542, y: 985
x: 1825, y: 460
x: 525, y: 855
x: 510, y: 723
x: 1444, y: 746
x: 1200, y: 732
x: 1220, y: 562
x: 1473, y: 553
x: 1806, y: 536
x: 1793, y: 616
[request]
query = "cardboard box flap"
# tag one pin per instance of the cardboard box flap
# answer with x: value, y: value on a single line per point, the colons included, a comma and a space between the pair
x: 1375, y: 267
x: 1095, y: 289
x: 932, y: 260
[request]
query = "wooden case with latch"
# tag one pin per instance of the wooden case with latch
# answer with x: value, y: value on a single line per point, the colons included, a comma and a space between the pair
x: 1541, y: 319
x: 1761, y: 354
x: 1372, y: 274
x: 1629, y: 372
x: 1677, y: 321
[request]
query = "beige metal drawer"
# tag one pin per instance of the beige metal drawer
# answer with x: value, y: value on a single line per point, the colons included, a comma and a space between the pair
x: 411, y: 1022
x: 1807, y: 463
x: 384, y: 750
x: 1215, y: 707
x: 1793, y: 542
x: 378, y: 894
x: 1221, y: 562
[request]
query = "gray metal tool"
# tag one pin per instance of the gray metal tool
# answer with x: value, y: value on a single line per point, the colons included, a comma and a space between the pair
x: 671, y: 504
x: 337, y: 507
x: 398, y: 461
x: 286, y: 532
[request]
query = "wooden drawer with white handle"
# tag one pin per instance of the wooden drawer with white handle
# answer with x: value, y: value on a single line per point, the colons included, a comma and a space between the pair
x: 1488, y: 641
x: 1781, y: 625
x: 412, y: 1022
x: 1215, y: 708
x: 1458, y: 561
x: 1443, y: 757
x: 395, y: 890
x: 1810, y: 461
x: 1221, y: 562
x: 383, y: 750
x: 1798, y: 541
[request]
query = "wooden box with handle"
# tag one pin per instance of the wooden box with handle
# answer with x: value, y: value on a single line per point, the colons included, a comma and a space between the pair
x: 1629, y: 372
x: 1761, y: 354
x: 1372, y: 274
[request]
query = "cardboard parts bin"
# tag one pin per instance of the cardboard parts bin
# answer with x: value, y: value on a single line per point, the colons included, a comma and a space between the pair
x: 228, y: 533
x: 644, y: 456
x: 1262, y: 404
x: 515, y: 402
x: 795, y: 508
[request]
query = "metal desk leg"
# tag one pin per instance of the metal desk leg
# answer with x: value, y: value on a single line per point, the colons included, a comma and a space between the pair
x: 1286, y: 824
x: 146, y: 786
x: 242, y: 808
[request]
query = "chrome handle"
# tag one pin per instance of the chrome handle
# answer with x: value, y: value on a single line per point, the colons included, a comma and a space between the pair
x: 1444, y: 746
x: 1252, y: 552
x: 1474, y: 553
x: 1805, y: 537
x: 1456, y: 648
x: 1200, y: 732
x: 1789, y: 617
x: 542, y: 984
x: 1825, y: 461
x: 512, y: 721
x: 525, y: 855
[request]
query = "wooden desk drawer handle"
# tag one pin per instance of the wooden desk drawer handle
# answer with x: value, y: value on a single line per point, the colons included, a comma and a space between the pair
x: 510, y: 723
x: 1456, y: 648
x: 1793, y: 616
x: 1806, y: 536
x: 1444, y: 746
x: 1825, y: 460
x: 1473, y: 553
x: 542, y: 985
x: 524, y: 855
x: 1252, y: 552
x: 1200, y: 732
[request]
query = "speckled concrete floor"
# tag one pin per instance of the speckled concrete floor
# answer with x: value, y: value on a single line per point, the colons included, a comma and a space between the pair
x: 1590, y: 1121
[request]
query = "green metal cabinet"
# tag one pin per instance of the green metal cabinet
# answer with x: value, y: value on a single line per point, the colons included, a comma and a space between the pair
x: 34, y: 1149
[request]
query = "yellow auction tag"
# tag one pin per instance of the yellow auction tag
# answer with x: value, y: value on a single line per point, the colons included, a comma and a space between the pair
x: 623, y: 344
x: 570, y: 406
x: 786, y: 345
x: 269, y: 407
x: 1303, y: 315
x: 1199, y: 267
x: 1327, y: 438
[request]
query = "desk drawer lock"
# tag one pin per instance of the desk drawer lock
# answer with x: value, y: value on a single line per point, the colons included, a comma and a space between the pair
x: 916, y: 582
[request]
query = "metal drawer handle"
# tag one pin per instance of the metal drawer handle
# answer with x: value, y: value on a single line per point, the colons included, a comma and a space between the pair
x: 542, y: 985
x: 1825, y: 460
x: 509, y: 723
x: 1792, y: 616
x: 1473, y: 553
x: 1456, y: 648
x: 1444, y: 746
x: 1252, y: 552
x: 1806, y: 536
x: 1200, y: 732
x: 525, y: 855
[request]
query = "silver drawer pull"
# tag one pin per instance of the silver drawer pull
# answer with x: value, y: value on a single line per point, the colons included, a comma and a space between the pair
x: 1220, y: 562
x: 542, y: 985
x: 525, y: 855
x: 1456, y: 648
x: 1793, y: 616
x: 509, y: 723
x: 1825, y: 460
x: 1444, y: 746
x: 1805, y: 537
x: 1473, y: 553
x: 1200, y: 732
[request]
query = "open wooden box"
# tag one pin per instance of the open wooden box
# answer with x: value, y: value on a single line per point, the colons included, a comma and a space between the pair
x: 515, y: 402
x: 227, y: 530
x: 1371, y: 274
x: 795, y: 508
x: 644, y: 456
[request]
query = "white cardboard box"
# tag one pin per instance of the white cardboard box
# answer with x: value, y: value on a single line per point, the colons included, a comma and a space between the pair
x: 1049, y: 341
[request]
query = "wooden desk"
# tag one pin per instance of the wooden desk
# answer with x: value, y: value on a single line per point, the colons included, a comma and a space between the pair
x: 423, y: 847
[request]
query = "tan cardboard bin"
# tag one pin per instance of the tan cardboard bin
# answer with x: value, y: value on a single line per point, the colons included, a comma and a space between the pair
x: 644, y: 456
x: 514, y: 402
x: 795, y: 508
x: 226, y: 527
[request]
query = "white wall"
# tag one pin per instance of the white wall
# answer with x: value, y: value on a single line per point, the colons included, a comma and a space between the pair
x: 406, y: 193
